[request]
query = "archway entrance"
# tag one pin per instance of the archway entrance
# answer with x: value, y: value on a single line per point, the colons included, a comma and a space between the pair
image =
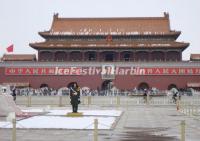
x: 143, y: 86
x: 71, y: 84
x: 43, y: 85
x: 171, y: 86
x: 107, y: 85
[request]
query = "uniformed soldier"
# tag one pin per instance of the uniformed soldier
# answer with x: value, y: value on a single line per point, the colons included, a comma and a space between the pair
x: 75, y: 96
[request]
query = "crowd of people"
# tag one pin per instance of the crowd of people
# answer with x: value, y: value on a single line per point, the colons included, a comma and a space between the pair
x: 85, y: 91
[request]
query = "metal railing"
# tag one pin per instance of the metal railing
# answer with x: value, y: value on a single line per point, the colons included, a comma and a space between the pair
x: 105, y: 100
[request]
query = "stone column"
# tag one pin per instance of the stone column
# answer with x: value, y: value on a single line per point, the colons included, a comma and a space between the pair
x: 98, y: 56
x: 68, y: 55
x: 165, y: 55
x: 118, y: 56
x: 149, y: 56
x: 180, y: 56
x: 53, y: 56
x: 83, y: 55
x: 39, y: 55
x: 133, y: 56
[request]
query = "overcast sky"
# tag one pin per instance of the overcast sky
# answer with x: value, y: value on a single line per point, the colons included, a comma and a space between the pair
x: 21, y: 20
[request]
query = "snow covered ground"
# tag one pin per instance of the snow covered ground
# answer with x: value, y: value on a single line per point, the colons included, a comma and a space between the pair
x: 56, y: 119
x: 114, y: 113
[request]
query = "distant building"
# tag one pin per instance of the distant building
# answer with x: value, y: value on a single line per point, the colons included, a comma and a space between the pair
x: 19, y: 57
x: 139, y: 52
x: 195, y: 57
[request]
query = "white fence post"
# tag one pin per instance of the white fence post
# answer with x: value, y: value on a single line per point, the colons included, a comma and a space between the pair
x: 89, y: 100
x: 60, y: 101
x: 118, y: 101
x: 95, y: 129
x: 183, y: 130
x: 14, y: 129
x: 28, y: 101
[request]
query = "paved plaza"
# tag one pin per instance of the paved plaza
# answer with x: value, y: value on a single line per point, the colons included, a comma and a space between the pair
x: 136, y: 123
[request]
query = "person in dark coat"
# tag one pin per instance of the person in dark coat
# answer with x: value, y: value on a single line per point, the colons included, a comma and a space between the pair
x: 75, y: 97
x: 14, y: 93
x: 145, y: 95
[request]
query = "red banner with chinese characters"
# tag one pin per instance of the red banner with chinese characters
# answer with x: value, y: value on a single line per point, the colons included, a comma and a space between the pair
x: 42, y: 71
x: 99, y: 71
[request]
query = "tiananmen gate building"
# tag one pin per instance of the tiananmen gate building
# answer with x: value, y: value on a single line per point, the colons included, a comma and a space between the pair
x: 138, y: 52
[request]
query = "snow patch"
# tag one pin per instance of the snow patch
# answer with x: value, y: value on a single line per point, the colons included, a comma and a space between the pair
x: 56, y: 122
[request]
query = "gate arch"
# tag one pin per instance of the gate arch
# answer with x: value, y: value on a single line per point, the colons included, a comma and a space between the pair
x: 171, y: 86
x: 143, y: 86
x: 107, y: 84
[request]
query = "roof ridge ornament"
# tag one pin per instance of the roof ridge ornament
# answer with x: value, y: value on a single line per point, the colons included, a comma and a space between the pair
x: 55, y: 16
x: 166, y: 14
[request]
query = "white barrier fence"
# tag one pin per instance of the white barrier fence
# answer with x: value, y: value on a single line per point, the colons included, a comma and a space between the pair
x: 105, y: 100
